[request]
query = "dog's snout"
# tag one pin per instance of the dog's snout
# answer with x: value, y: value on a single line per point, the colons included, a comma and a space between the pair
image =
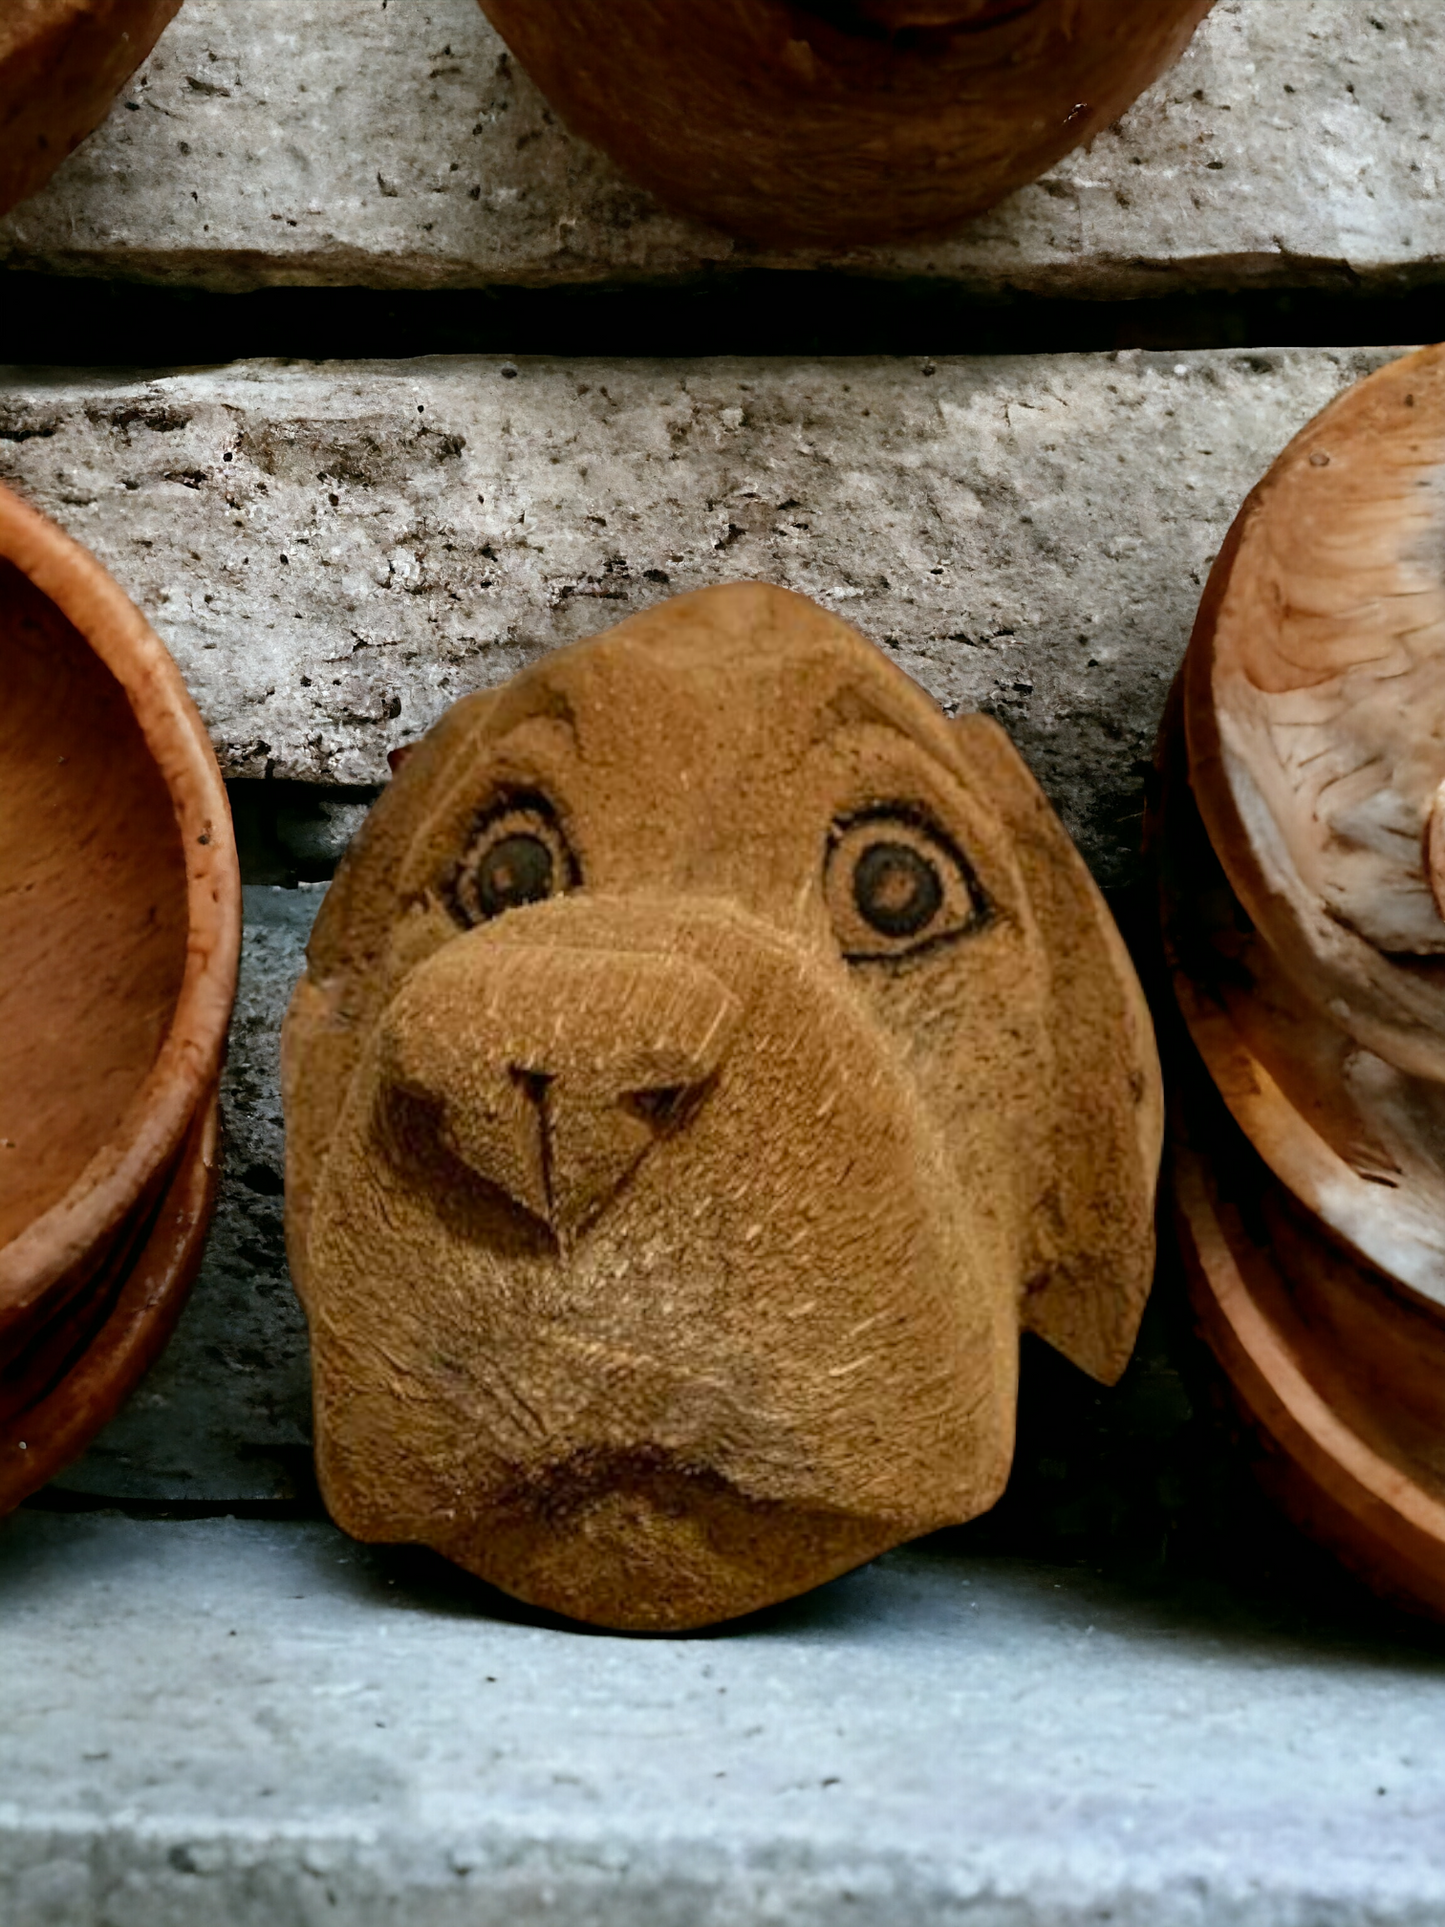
x: 551, y: 1071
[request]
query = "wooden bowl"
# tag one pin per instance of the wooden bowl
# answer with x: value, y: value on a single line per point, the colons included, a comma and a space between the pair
x: 841, y: 122
x: 62, y: 63
x: 1341, y: 1379
x: 1314, y: 706
x: 52, y: 1405
x: 120, y: 925
x: 1358, y: 1143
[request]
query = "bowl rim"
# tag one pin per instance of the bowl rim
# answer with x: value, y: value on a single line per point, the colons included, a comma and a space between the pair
x: 55, y: 1430
x: 38, y: 1260
x: 1383, y: 1520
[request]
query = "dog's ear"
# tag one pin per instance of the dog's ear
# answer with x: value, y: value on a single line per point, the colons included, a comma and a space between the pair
x: 1094, y: 1255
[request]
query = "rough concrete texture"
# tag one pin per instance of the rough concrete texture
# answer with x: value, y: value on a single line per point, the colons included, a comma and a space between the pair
x: 395, y: 145
x: 226, y: 1412
x: 263, y: 1726
x: 335, y: 552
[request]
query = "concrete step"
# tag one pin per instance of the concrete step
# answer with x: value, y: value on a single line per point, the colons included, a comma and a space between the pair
x: 397, y: 146
x: 335, y: 551
x: 255, y: 1724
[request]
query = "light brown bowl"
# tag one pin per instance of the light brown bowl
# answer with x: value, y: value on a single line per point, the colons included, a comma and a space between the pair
x: 1359, y: 1144
x: 840, y: 122
x: 1342, y: 1380
x: 53, y: 1405
x: 119, y: 924
x: 62, y: 63
x: 1314, y: 705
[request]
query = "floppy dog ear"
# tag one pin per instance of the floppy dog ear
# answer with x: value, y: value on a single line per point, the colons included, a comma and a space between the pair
x: 1094, y: 1255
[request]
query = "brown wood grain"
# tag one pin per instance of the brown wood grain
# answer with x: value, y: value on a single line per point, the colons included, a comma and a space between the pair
x: 837, y: 124
x: 1298, y: 842
x: 54, y: 1420
x: 120, y: 926
x: 665, y: 1235
x: 62, y: 64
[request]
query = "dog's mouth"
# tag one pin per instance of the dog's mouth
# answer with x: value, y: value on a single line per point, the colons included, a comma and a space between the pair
x: 647, y: 1539
x: 558, y: 1493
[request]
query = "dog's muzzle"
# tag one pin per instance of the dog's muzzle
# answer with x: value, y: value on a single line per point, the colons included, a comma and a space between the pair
x: 640, y: 1273
x: 551, y: 1070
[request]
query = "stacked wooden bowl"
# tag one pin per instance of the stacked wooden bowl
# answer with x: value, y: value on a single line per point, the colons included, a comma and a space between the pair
x: 1302, y: 865
x: 836, y: 123
x: 119, y: 929
x: 62, y: 63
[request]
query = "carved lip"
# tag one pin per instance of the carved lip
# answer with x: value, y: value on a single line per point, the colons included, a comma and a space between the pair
x: 557, y: 1492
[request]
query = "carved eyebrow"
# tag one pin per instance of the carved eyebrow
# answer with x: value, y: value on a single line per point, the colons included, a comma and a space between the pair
x: 541, y: 701
x: 850, y: 709
x: 853, y: 711
x: 916, y: 751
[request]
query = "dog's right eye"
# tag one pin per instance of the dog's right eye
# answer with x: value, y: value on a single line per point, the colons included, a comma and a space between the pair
x: 517, y: 856
x: 896, y: 885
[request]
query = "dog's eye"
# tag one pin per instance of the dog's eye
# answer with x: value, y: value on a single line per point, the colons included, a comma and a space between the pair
x: 518, y: 856
x: 895, y: 884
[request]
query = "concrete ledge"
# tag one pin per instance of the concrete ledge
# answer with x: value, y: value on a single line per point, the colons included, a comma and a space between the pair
x: 352, y: 142
x: 336, y: 551
x: 263, y: 1725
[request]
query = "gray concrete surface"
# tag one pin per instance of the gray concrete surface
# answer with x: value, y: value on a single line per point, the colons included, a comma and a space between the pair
x: 226, y: 1411
x: 230, y: 1724
x: 395, y: 145
x: 334, y: 552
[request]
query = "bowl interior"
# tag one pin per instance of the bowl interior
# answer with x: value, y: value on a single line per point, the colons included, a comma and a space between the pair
x: 93, y: 907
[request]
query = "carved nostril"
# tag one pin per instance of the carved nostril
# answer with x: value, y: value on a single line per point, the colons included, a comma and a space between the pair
x: 656, y: 1106
x: 533, y: 1085
x: 666, y: 1107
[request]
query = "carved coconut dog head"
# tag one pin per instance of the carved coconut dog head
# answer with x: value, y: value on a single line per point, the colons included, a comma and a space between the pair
x: 709, y: 1057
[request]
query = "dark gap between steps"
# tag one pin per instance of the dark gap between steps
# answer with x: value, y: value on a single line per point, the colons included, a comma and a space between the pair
x: 290, y: 833
x: 75, y: 321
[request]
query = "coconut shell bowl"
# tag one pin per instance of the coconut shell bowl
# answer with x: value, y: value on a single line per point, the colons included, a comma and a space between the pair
x: 1303, y: 760
x: 836, y: 123
x: 62, y: 64
x: 120, y: 927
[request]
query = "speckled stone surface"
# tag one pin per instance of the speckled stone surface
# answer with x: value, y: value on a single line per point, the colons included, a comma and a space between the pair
x: 392, y: 143
x: 334, y: 552
x: 245, y: 1724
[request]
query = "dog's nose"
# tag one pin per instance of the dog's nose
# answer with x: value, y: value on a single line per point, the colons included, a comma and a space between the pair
x: 551, y: 1071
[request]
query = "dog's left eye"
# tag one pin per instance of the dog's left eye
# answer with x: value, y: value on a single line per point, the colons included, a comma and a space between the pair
x: 895, y: 884
x: 517, y: 856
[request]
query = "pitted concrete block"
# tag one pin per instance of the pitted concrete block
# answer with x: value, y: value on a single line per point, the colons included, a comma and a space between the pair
x: 335, y: 552
x: 358, y: 142
x: 256, y: 1723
